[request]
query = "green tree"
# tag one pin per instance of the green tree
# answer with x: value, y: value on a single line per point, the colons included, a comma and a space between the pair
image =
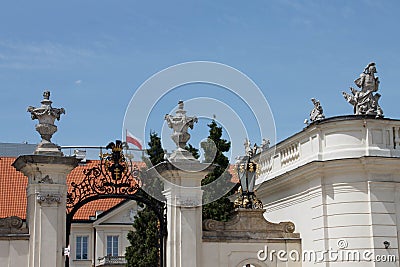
x: 155, y: 150
x: 221, y: 208
x: 143, y: 251
x: 193, y: 150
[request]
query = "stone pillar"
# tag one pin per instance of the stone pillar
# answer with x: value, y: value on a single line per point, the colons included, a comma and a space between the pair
x: 182, y: 175
x: 182, y: 190
x: 46, y: 207
x: 46, y: 193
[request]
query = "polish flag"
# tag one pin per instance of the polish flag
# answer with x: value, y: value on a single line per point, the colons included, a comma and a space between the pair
x: 130, y: 138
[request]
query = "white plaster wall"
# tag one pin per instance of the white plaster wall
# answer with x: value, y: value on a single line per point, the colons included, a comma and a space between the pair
x: 102, y: 231
x: 97, y: 247
x: 14, y: 253
x: 84, y: 229
x: 337, y: 180
x: 345, y: 202
x: 235, y: 254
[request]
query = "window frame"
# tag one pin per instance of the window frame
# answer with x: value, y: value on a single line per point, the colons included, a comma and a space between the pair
x: 114, y: 245
x: 81, y: 247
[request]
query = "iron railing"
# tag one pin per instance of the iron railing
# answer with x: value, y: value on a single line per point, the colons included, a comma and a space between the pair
x: 112, y: 260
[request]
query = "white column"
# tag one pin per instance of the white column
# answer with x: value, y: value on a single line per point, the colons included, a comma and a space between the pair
x: 46, y: 207
x: 182, y: 190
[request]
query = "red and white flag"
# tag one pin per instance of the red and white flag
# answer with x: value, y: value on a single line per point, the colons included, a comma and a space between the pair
x: 130, y: 138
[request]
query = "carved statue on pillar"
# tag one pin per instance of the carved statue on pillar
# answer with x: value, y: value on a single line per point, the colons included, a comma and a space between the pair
x: 46, y: 115
x: 46, y: 191
x: 365, y: 101
x: 180, y: 123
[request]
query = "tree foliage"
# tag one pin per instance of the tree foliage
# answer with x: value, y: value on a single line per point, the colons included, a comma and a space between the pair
x: 218, y: 208
x: 155, y: 150
x: 193, y: 150
x: 143, y: 251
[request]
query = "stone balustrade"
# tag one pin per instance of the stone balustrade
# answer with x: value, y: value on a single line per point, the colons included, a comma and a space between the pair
x: 329, y: 139
x: 112, y: 260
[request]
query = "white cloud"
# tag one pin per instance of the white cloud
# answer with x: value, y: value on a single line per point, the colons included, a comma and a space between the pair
x: 78, y: 82
x: 37, y: 55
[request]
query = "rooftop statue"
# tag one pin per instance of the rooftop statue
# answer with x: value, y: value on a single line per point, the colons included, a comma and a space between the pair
x: 317, y: 113
x: 265, y: 144
x: 365, y: 101
x: 180, y: 124
x: 247, y: 147
x: 249, y: 151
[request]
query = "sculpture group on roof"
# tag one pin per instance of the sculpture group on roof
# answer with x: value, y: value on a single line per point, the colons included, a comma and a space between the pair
x: 317, y: 113
x: 365, y: 101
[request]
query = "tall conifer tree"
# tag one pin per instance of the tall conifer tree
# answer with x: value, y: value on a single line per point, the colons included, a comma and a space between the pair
x: 143, y: 251
x: 214, y: 148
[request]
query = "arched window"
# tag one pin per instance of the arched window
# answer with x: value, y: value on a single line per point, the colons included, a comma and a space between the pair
x: 251, y: 263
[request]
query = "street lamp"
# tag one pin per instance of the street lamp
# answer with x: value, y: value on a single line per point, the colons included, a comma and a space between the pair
x: 247, y: 171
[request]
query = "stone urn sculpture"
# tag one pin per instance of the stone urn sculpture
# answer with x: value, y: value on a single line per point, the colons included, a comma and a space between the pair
x: 46, y: 115
x: 180, y: 123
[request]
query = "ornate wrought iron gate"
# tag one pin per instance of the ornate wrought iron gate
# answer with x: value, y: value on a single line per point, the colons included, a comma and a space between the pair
x: 114, y: 177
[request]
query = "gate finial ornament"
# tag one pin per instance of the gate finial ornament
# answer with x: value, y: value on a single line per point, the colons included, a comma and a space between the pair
x: 46, y: 115
x: 180, y: 124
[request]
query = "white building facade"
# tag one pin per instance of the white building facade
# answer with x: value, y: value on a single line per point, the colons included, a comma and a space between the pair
x: 103, y: 241
x: 338, y: 181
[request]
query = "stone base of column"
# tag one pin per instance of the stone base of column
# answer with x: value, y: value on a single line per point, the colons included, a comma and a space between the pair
x: 46, y: 206
x: 182, y: 190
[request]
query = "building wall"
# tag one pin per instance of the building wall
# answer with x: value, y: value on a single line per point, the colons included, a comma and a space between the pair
x: 14, y: 252
x: 238, y: 254
x: 117, y: 222
x: 341, y: 189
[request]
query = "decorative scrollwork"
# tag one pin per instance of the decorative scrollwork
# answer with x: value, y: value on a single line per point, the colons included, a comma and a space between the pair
x: 48, y: 198
x: 288, y: 227
x: 11, y: 222
x: 114, y: 175
x: 247, y: 201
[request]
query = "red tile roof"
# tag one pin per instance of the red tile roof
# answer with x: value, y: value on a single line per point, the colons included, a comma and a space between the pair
x: 13, y: 190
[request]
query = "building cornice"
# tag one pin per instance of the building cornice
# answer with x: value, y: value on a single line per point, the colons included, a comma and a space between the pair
x: 318, y: 169
x: 329, y: 139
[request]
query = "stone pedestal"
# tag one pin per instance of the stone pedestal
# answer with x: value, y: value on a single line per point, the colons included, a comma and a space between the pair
x: 248, y: 239
x: 46, y: 207
x: 248, y: 224
x: 182, y: 190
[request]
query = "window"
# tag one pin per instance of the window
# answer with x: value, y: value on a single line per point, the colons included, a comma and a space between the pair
x: 112, y: 245
x: 81, y: 247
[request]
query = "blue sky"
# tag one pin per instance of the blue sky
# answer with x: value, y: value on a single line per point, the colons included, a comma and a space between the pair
x: 93, y: 55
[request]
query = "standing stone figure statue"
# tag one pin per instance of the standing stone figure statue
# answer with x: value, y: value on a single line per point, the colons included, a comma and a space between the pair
x: 180, y: 124
x: 317, y: 113
x: 265, y: 144
x: 365, y: 101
